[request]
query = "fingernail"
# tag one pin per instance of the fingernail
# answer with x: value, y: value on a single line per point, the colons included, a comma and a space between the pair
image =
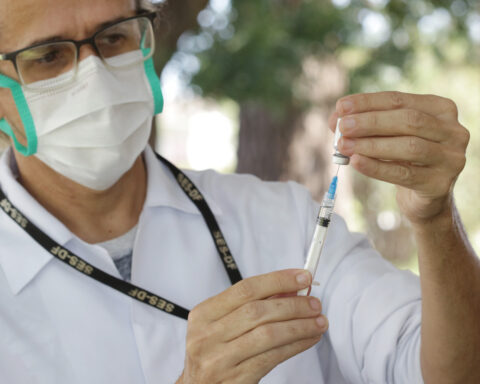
x: 322, y: 322
x: 315, y: 304
x: 347, y: 106
x: 303, y: 278
x: 346, y: 144
x: 347, y: 124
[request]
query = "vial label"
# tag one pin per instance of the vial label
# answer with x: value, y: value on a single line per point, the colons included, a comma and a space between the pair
x: 338, y: 158
x: 338, y: 135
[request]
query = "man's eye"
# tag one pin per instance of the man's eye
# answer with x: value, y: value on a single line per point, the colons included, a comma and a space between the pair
x: 49, y: 57
x: 113, y: 39
x: 42, y: 56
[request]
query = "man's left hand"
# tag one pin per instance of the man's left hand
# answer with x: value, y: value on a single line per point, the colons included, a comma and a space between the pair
x: 413, y: 141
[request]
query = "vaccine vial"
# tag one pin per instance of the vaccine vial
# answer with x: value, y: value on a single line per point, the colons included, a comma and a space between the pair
x: 338, y: 158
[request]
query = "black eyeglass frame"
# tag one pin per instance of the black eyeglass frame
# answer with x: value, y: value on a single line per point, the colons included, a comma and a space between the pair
x: 12, y: 56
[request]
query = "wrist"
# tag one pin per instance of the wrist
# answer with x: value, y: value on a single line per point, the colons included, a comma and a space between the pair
x: 442, y: 222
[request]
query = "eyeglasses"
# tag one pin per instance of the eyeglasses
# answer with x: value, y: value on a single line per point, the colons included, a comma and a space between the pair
x: 122, y: 44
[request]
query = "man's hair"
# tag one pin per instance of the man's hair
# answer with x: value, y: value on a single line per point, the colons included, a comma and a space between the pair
x: 146, y: 5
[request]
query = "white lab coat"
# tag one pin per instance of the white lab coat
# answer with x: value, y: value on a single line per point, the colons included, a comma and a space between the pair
x: 59, y: 326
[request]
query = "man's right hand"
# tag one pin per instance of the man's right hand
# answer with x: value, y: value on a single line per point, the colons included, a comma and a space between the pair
x: 244, y: 332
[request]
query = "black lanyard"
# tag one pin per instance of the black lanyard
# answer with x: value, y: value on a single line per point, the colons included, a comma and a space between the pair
x: 123, y: 286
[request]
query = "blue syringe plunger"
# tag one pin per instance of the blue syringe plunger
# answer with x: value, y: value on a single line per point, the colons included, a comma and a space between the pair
x: 333, y: 188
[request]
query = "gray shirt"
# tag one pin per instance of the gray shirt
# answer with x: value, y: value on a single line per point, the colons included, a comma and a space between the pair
x: 121, y: 250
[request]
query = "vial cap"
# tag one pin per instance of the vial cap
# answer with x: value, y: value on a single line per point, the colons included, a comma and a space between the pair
x: 340, y: 159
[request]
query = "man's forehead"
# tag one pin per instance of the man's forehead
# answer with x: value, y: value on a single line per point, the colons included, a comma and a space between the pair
x: 23, y: 21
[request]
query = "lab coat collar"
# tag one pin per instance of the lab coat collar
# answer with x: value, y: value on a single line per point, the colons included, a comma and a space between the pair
x: 21, y: 259
x: 163, y: 189
x: 30, y: 208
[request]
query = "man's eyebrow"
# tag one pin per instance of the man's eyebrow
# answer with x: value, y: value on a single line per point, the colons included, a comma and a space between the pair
x: 51, y: 39
x: 98, y: 27
x: 110, y: 22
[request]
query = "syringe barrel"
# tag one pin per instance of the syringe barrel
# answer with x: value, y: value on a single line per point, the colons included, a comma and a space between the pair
x: 318, y: 240
x: 314, y: 253
x: 326, y: 209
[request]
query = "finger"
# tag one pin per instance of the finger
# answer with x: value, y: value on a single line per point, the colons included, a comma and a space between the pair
x: 256, y: 313
x: 291, y: 294
x: 332, y: 121
x: 401, y: 122
x: 408, y: 176
x: 383, y: 101
x: 255, y: 368
x: 251, y: 289
x: 274, y: 335
x: 404, y: 148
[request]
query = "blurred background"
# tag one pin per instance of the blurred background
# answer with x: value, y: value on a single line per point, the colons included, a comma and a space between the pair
x: 249, y: 86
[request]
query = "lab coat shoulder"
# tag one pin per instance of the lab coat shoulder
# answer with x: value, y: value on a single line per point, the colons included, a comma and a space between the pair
x: 374, y: 309
x: 375, y: 315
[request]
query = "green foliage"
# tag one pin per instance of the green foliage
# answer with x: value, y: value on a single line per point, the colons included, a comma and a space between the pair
x: 263, y: 56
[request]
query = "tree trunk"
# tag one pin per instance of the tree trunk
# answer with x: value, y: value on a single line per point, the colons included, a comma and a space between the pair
x: 264, y: 140
x: 298, y: 146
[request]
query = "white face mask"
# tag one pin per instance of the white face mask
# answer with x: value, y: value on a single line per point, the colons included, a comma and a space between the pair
x: 93, y: 130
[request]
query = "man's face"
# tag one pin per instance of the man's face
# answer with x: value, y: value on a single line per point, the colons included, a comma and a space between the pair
x: 27, y: 22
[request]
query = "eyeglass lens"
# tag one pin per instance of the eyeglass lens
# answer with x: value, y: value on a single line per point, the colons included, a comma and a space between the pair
x: 121, y: 45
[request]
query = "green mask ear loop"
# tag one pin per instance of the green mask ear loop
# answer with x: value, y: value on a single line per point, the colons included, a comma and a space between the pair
x: 154, y: 82
x: 25, y: 115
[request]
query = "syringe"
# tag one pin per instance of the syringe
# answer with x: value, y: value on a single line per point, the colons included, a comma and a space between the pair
x: 318, y: 240
x: 324, y: 216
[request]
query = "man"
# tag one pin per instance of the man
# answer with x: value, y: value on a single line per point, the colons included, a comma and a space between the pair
x: 81, y: 192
